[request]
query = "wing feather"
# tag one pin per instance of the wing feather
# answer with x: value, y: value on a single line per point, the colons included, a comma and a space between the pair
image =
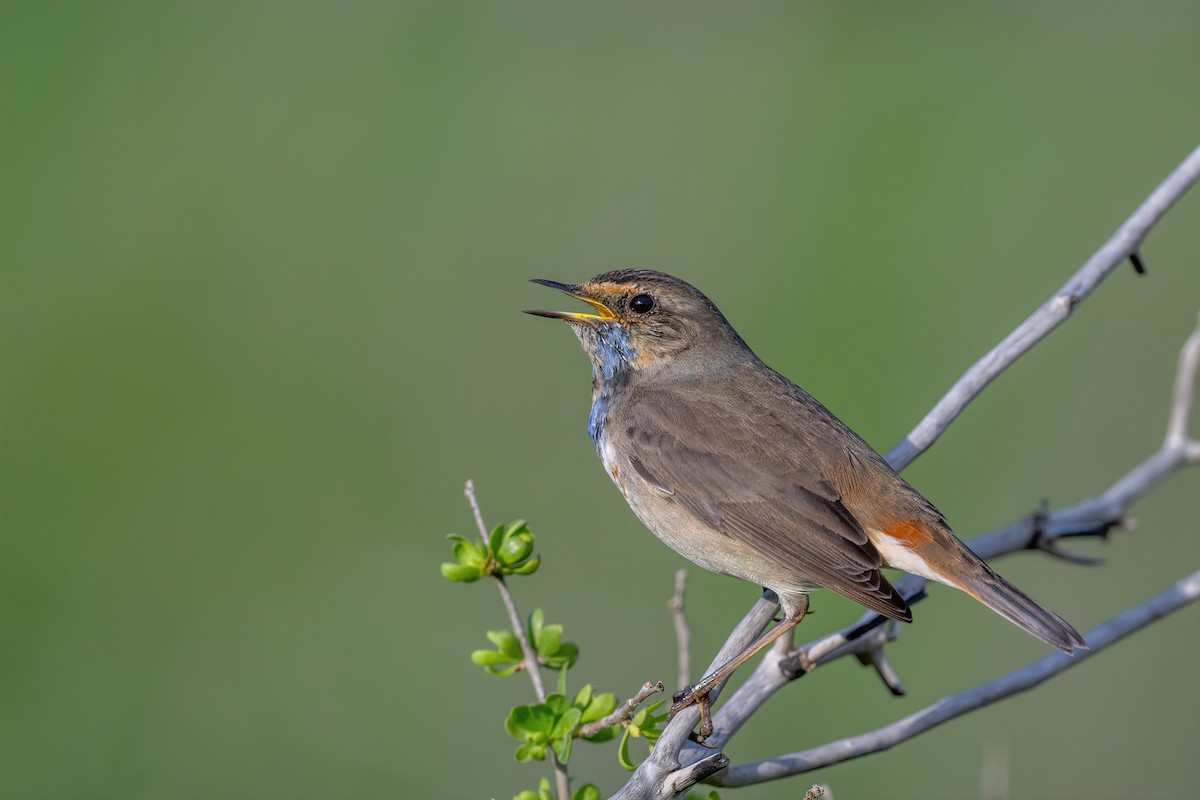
x: 748, y: 476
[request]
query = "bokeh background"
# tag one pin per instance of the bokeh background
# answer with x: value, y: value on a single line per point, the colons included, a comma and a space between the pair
x: 262, y: 268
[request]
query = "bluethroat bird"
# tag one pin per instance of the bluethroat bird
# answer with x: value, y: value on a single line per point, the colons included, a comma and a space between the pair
x: 741, y: 471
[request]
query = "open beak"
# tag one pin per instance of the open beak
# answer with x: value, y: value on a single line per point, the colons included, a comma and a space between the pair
x: 603, y: 313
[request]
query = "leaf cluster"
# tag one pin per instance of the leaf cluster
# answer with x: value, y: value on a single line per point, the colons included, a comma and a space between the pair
x: 507, y: 551
x: 546, y: 640
x: 585, y: 792
x: 556, y: 723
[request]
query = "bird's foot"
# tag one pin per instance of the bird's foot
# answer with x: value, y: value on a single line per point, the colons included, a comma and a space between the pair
x: 695, y: 696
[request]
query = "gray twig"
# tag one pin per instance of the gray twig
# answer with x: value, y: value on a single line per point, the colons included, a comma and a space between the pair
x: 683, y: 634
x: 1181, y: 399
x: 1052, y: 313
x: 623, y: 712
x: 1098, y: 639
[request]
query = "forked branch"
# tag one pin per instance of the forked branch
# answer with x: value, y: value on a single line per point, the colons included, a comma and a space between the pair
x: 1098, y: 639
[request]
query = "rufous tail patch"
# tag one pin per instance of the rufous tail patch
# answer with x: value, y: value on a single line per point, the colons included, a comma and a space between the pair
x: 911, y: 534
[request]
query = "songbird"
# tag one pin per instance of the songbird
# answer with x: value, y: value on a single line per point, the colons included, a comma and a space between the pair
x: 743, y: 473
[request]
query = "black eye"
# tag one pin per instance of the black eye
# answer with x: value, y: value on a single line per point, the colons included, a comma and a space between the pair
x: 641, y: 304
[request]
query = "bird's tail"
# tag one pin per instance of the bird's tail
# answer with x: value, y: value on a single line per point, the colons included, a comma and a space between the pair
x: 1023, y: 611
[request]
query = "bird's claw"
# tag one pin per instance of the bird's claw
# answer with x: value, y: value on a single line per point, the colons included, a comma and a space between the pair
x: 694, y: 696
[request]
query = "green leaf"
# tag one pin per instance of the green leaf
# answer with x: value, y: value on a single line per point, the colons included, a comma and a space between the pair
x: 489, y: 658
x: 531, y: 752
x: 526, y: 795
x: 507, y: 643
x: 565, y: 656
x: 584, y: 698
x: 468, y: 554
x: 586, y: 792
x: 605, y: 735
x: 599, y: 706
x: 515, y: 549
x: 528, y: 568
x: 565, y: 724
x: 510, y: 725
x: 623, y: 753
x: 544, y: 792
x: 530, y: 722
x: 562, y: 681
x: 549, y: 640
x: 562, y: 748
x: 536, y: 620
x: 556, y: 704
x: 504, y: 672
x: 459, y: 573
x: 495, y: 537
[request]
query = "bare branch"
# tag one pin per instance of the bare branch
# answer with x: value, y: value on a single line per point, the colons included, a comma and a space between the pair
x: 624, y: 712
x: 1174, y: 598
x: 874, y: 656
x: 1181, y: 397
x: 683, y: 634
x: 1124, y: 243
x: 469, y: 491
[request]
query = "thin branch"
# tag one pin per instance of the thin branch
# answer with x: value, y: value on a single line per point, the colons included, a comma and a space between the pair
x: 1136, y: 618
x: 469, y: 491
x: 875, y: 657
x: 529, y: 661
x: 1181, y: 397
x: 683, y: 634
x: 562, y: 780
x: 1120, y: 246
x: 623, y: 712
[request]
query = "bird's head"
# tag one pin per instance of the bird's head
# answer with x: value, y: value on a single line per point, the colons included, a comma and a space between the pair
x: 646, y: 321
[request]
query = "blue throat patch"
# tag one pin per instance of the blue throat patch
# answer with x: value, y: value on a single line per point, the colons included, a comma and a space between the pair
x: 609, y: 368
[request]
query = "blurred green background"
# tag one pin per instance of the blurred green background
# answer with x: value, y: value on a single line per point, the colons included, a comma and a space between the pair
x: 262, y: 269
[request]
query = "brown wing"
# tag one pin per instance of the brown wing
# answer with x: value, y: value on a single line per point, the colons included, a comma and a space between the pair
x: 744, y: 472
